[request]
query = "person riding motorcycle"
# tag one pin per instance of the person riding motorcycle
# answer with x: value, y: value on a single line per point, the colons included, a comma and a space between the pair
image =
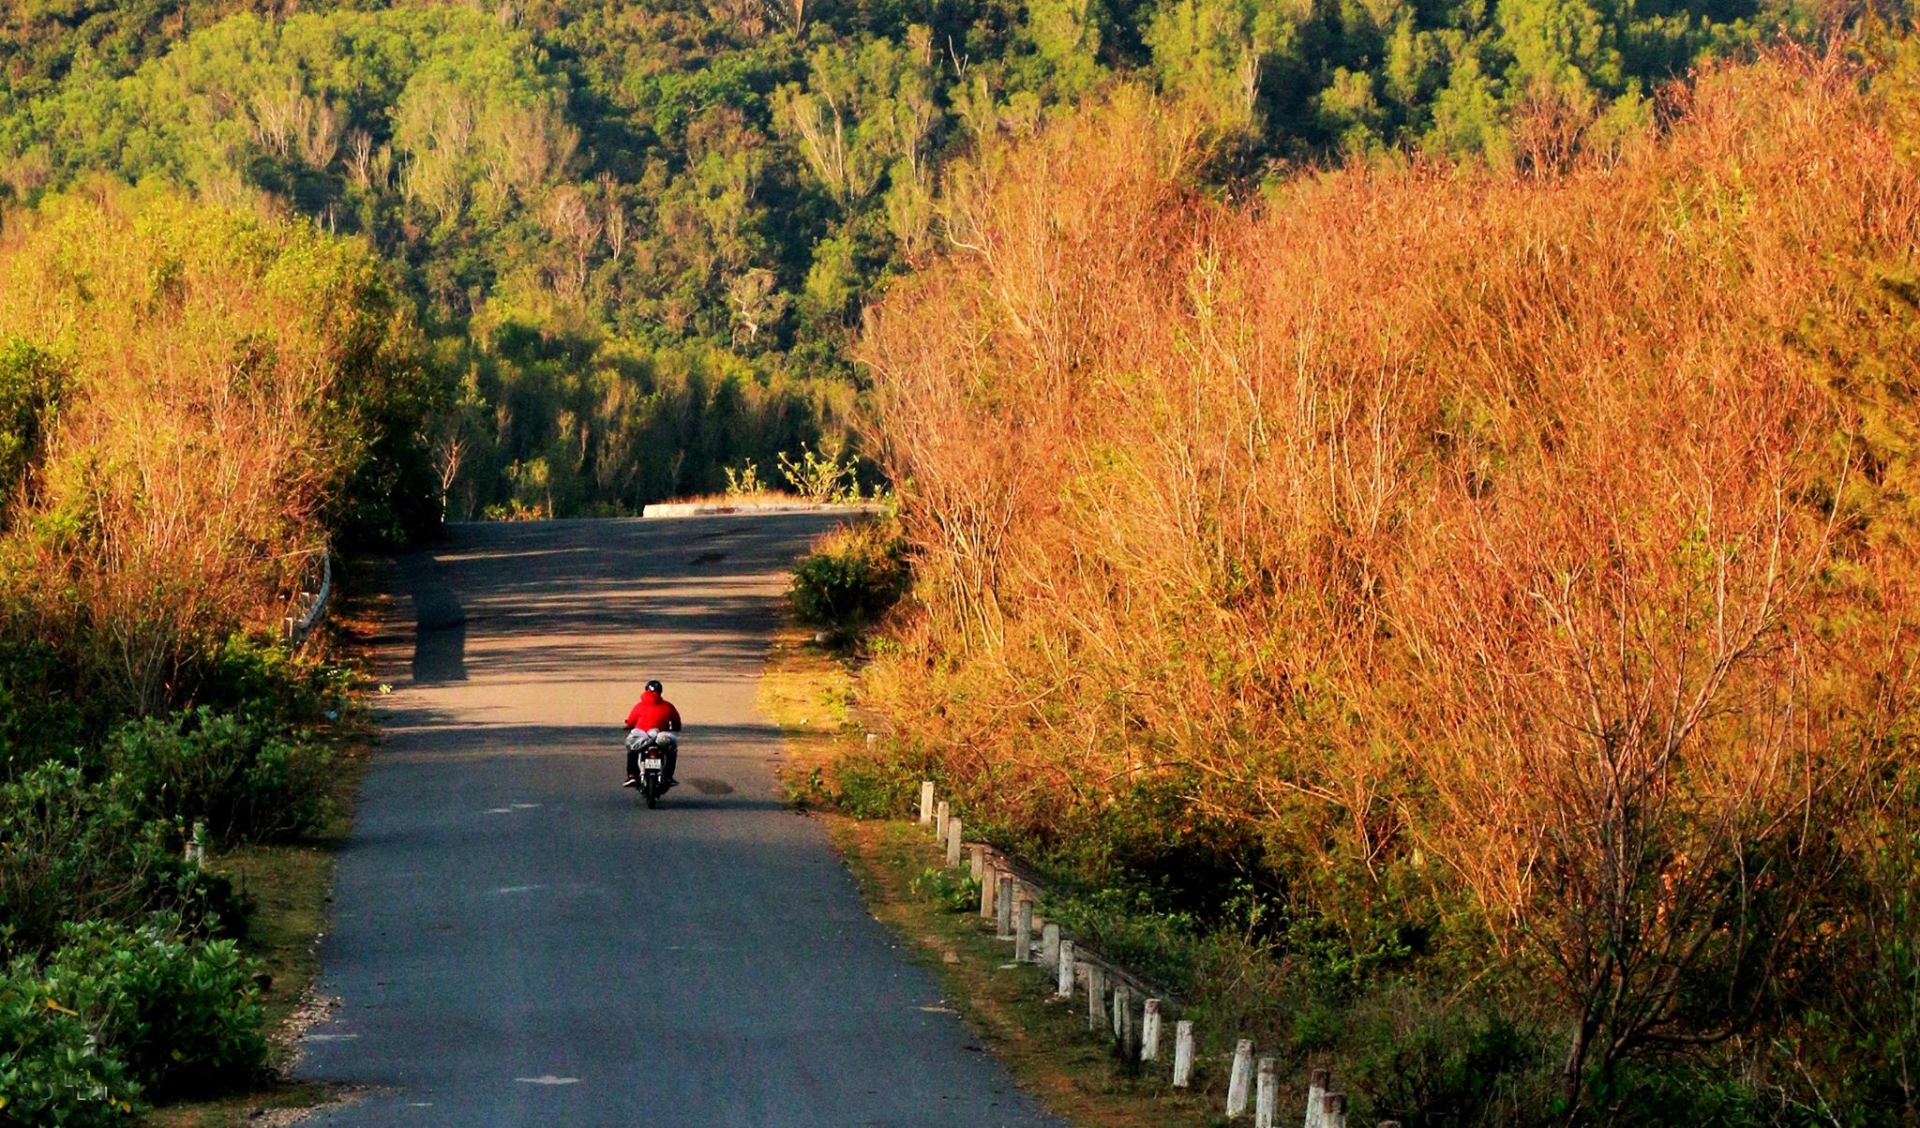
x: 652, y: 720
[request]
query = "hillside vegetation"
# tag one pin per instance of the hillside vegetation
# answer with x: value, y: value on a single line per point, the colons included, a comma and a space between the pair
x: 1474, y: 605
x: 642, y: 235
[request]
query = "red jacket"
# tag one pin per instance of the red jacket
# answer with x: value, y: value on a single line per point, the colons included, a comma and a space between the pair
x: 654, y: 712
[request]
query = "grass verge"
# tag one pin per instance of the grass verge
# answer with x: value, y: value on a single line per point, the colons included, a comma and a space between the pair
x: 1044, y: 1042
x: 289, y: 887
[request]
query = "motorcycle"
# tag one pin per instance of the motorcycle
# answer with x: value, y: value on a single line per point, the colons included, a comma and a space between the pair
x: 653, y: 774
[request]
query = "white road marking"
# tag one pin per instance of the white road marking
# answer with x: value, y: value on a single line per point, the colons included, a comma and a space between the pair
x: 331, y: 1037
x: 519, y: 888
x: 548, y: 1079
x: 525, y: 806
x: 497, y: 811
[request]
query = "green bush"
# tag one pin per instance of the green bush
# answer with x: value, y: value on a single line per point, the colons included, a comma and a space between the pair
x: 182, y: 1013
x: 874, y: 788
x: 1441, y: 1064
x: 53, y: 1072
x: 70, y: 850
x: 955, y: 891
x: 851, y: 579
x: 202, y: 765
x: 261, y: 680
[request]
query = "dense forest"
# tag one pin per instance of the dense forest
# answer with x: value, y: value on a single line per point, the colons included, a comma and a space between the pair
x: 642, y: 236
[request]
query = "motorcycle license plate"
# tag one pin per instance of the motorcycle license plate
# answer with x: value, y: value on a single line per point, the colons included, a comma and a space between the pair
x: 653, y: 765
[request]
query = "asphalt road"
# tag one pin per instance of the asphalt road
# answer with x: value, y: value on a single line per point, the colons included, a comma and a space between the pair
x: 517, y: 940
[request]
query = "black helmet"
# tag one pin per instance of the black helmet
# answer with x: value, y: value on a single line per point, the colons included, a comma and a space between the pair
x: 655, y: 687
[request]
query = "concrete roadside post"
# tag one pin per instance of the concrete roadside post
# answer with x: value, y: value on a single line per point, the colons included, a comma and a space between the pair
x: 1023, y: 931
x: 1266, y: 1092
x: 1050, y: 945
x: 1129, y: 1031
x: 1096, y: 996
x: 197, y: 846
x: 1150, y: 1031
x: 926, y: 801
x: 989, y: 881
x: 1317, y: 1083
x: 1333, y: 1110
x: 953, y: 841
x: 1182, y: 1054
x: 978, y: 861
x: 1003, y: 909
x: 1063, y: 969
x: 1240, y: 1080
x: 941, y: 813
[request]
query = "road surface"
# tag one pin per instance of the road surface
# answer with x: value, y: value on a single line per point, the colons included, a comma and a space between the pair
x: 518, y: 941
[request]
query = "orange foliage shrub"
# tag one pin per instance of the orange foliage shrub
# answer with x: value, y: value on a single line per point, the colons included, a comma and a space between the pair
x: 224, y: 379
x: 1528, y: 539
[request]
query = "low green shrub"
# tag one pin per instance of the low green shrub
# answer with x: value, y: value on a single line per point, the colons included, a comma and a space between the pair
x: 870, y: 788
x: 272, y: 687
x: 53, y: 1071
x: 202, y: 765
x: 181, y: 1012
x: 1165, y: 948
x: 852, y: 578
x: 1438, y: 1063
x: 954, y: 891
x: 71, y: 850
x: 39, y: 717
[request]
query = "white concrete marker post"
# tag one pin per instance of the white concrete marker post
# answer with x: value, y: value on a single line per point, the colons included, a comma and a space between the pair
x: 1126, y: 1026
x: 1050, y: 945
x: 979, y: 860
x: 1023, y: 931
x: 1150, y: 1031
x: 1333, y: 1110
x: 1003, y: 909
x: 1182, y: 1054
x: 1266, y: 1092
x: 989, y: 881
x: 926, y: 801
x: 1240, y: 1081
x: 1063, y: 983
x: 941, y: 813
x: 953, y: 841
x: 1096, y: 996
x: 1317, y: 1082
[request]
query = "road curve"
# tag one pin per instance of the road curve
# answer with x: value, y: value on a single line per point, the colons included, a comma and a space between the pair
x: 518, y: 941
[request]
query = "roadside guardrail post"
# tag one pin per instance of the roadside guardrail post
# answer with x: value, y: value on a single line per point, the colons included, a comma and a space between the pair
x: 1023, y: 931
x: 1150, y: 1031
x: 1096, y: 996
x: 926, y: 801
x: 1240, y: 1079
x: 1266, y: 1092
x: 1003, y: 909
x: 1182, y: 1054
x: 1063, y: 971
x: 1317, y: 1083
x: 1333, y: 1110
x: 953, y: 841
